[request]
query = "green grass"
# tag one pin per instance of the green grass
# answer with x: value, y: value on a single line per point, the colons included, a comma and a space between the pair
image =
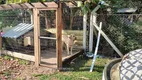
x: 79, y: 70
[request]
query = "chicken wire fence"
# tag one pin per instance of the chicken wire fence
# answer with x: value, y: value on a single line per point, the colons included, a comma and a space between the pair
x: 18, y: 34
x: 13, y: 22
x: 72, y: 25
x: 123, y: 29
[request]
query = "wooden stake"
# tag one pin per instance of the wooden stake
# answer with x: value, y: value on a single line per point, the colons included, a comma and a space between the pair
x: 59, y: 26
x: 36, y: 37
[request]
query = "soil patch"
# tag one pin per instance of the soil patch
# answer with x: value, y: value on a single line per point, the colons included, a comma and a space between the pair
x: 14, y: 69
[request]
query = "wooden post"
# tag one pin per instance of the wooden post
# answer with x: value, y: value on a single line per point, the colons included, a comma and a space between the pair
x: 91, y: 34
x: 84, y: 31
x: 0, y: 44
x: 59, y: 27
x: 36, y: 37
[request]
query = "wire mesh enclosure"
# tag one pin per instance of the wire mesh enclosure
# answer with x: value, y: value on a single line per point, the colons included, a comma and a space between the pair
x: 123, y: 29
x: 18, y: 32
x: 72, y: 33
x: 16, y: 26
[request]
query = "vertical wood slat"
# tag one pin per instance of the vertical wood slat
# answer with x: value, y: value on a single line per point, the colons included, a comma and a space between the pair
x: 0, y: 44
x: 36, y: 37
x: 59, y: 26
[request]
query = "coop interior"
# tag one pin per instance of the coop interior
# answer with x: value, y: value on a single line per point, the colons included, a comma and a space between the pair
x: 18, y: 33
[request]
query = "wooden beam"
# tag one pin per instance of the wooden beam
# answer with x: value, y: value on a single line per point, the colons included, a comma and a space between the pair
x: 59, y: 26
x: 36, y: 37
x: 45, y: 5
x: 44, y: 9
x: 51, y: 4
x: 6, y: 7
x: 18, y: 55
x: 28, y: 5
x: 38, y: 5
x: 15, y: 6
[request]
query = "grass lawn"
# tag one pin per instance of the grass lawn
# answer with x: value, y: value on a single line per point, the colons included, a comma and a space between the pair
x: 79, y: 70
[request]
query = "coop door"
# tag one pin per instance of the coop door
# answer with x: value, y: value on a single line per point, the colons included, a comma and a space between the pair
x: 27, y: 41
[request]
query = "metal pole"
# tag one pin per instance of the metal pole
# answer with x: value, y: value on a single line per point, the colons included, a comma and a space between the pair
x: 96, y: 49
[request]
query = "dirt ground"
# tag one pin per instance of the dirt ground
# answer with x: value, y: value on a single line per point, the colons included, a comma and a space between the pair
x: 14, y: 69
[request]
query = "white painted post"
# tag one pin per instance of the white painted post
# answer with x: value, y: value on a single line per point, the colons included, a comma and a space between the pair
x: 84, y: 31
x: 91, y: 34
x: 93, y: 19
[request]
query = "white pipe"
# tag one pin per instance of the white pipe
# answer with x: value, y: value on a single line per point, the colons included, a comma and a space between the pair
x: 96, y: 49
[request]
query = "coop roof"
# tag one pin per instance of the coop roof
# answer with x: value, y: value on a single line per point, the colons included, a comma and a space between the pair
x: 18, y: 30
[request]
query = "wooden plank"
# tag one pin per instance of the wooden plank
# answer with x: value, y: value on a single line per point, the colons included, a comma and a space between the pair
x: 59, y: 26
x: 38, y: 5
x: 6, y: 7
x: 18, y: 55
x: 15, y: 6
x: 28, y: 5
x: 51, y: 4
x: 48, y: 8
x: 36, y: 37
x: 45, y: 5
x: 67, y: 60
x: 84, y: 32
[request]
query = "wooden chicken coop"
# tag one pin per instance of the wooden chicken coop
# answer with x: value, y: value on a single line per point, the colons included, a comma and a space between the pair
x: 36, y: 7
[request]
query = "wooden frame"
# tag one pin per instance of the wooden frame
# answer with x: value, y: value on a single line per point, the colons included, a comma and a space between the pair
x: 36, y: 37
x: 37, y: 5
x: 59, y: 26
x: 36, y: 8
x: 58, y: 35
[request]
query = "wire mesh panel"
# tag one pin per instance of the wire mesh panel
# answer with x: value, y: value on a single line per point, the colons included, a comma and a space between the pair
x: 48, y: 37
x: 72, y: 33
x: 17, y: 31
x: 73, y: 25
x: 123, y: 29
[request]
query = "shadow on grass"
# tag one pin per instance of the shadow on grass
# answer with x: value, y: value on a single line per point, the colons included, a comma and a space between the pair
x: 82, y: 64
